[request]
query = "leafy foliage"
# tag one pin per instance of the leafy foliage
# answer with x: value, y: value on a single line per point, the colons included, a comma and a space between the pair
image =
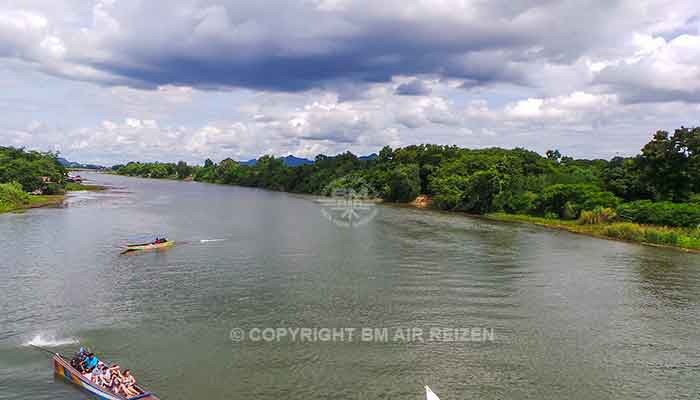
x: 670, y: 164
x: 661, y: 213
x: 31, y: 169
x: 12, y: 195
x: 486, y: 180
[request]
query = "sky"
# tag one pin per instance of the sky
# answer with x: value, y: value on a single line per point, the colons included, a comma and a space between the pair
x: 108, y: 81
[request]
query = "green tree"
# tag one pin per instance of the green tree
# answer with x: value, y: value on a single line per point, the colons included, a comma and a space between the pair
x: 553, y: 155
x: 402, y: 183
x: 183, y: 170
x: 670, y: 164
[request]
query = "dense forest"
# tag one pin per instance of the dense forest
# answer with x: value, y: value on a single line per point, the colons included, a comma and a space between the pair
x: 659, y: 186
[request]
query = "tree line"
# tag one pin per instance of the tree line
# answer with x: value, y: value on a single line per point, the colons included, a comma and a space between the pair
x: 661, y: 185
x: 32, y: 170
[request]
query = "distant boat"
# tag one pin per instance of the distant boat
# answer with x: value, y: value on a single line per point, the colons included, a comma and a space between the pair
x: 149, y: 246
x: 429, y: 395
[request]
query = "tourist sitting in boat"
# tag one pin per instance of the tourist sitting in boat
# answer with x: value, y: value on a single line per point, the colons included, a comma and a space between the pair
x: 160, y: 240
x: 101, y: 374
x: 127, y: 386
x: 115, y: 380
x: 95, y: 374
x: 105, y: 379
x: 89, y: 375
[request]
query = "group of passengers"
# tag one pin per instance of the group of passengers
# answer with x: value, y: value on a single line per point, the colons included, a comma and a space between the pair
x: 107, y: 377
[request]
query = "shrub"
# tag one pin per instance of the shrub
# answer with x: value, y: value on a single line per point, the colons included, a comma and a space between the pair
x: 593, y: 200
x: 691, y: 242
x: 648, y: 234
x: 11, y: 194
x: 653, y: 235
x: 625, y: 231
x: 599, y: 215
x: 521, y: 203
x: 569, y: 200
x: 53, y: 188
x: 571, y: 210
x: 660, y: 213
x: 551, y: 215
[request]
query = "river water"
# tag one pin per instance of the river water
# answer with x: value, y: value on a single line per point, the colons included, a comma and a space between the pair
x: 561, y: 316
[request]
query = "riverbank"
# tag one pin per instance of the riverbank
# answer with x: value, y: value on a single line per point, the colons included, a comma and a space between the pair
x: 657, y: 236
x: 19, y: 203
x: 75, y: 187
x: 34, y: 201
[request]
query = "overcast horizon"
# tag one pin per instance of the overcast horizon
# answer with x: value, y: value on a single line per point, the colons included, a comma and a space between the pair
x: 109, y: 81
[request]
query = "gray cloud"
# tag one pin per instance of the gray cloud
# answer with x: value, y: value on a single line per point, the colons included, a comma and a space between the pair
x: 298, y: 45
x: 415, y: 87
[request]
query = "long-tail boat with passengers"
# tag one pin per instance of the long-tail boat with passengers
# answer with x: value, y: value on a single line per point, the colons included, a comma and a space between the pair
x: 155, y: 245
x: 63, y: 368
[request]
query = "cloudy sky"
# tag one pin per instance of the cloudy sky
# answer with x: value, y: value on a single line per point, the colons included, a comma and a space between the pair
x: 115, y: 80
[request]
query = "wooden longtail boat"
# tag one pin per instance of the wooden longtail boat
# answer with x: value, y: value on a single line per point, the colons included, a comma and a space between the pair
x: 63, y: 368
x: 149, y: 246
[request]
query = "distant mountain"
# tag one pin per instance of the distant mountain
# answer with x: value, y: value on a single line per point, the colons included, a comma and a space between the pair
x: 292, y: 161
x: 72, y: 164
x: 370, y: 157
x: 249, y: 163
x: 289, y: 161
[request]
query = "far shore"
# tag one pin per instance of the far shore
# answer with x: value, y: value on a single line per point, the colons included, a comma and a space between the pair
x: 683, y: 239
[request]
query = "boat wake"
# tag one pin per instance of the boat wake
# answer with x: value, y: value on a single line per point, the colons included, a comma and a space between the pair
x: 211, y: 240
x: 49, y: 341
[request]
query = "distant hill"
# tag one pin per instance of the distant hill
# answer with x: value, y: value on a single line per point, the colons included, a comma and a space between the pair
x: 370, y: 157
x: 289, y: 161
x: 72, y: 164
x: 292, y: 161
x: 249, y: 162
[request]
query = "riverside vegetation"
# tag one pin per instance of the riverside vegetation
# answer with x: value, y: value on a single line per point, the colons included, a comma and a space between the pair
x: 653, y: 197
x: 23, y: 172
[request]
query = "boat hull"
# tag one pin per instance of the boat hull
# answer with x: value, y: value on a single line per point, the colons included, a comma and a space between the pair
x: 150, y: 246
x: 63, y: 369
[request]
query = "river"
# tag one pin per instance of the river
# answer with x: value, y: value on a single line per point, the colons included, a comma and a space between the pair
x: 562, y: 316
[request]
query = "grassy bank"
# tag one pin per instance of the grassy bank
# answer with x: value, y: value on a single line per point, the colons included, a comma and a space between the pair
x: 32, y: 202
x: 683, y: 238
x: 74, y: 187
x: 14, y: 198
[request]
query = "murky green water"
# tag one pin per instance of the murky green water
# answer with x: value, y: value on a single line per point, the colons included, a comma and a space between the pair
x: 572, y: 317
